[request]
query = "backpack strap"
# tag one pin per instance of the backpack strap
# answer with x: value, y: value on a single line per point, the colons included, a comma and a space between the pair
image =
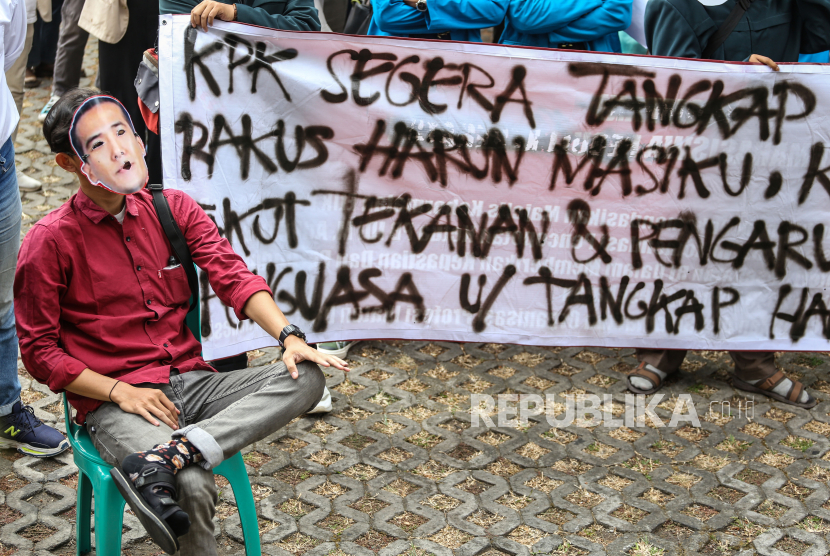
x: 726, y: 28
x: 176, y: 239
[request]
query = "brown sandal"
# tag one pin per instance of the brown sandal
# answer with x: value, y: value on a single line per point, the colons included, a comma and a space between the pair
x: 765, y: 387
x: 652, y: 377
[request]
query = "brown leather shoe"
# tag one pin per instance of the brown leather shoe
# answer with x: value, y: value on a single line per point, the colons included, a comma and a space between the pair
x: 30, y: 81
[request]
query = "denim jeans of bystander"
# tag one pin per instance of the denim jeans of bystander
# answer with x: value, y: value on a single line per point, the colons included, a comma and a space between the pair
x: 10, y: 216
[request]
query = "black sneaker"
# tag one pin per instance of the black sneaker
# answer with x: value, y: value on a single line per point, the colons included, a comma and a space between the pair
x: 21, y: 430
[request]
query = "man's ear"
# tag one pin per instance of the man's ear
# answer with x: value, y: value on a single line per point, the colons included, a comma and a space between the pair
x: 140, y: 142
x: 68, y: 163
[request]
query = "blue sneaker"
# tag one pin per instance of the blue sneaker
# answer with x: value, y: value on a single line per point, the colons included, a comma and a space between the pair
x: 20, y: 429
x: 45, y: 110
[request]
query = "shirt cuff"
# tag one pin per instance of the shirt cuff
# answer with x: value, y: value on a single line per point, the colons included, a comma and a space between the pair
x: 247, y: 14
x: 65, y: 373
x: 241, y: 297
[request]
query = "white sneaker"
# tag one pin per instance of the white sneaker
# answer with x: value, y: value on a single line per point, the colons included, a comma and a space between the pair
x: 325, y: 403
x: 45, y: 110
x: 27, y: 184
x: 338, y: 349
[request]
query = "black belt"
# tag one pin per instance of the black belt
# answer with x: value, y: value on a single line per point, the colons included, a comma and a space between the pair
x: 572, y: 45
x: 445, y: 36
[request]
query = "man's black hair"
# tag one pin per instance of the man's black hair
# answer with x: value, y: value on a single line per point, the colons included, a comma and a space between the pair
x: 58, y: 122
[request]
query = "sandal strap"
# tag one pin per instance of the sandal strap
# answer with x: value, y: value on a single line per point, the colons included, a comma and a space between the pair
x: 772, y: 381
x: 795, y: 391
x: 642, y: 372
x: 156, y: 476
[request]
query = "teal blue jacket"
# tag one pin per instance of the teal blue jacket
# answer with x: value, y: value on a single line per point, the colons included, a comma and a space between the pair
x: 778, y: 29
x: 463, y: 19
x: 292, y: 15
x: 551, y: 24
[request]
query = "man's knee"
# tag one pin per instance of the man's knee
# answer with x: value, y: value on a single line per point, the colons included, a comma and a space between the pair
x: 311, y: 381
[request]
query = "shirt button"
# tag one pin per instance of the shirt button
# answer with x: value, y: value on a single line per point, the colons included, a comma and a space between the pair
x: 138, y: 267
x: 128, y: 238
x: 149, y: 302
x: 165, y: 345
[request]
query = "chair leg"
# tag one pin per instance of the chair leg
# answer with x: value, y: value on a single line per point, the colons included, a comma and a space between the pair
x: 109, y: 519
x: 83, y: 512
x: 250, y: 525
x: 233, y: 469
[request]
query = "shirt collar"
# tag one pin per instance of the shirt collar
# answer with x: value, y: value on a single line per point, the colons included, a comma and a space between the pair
x: 96, y: 213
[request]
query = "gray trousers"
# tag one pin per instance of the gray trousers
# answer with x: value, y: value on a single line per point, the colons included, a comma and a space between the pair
x: 221, y: 413
x: 71, y: 43
x: 749, y: 365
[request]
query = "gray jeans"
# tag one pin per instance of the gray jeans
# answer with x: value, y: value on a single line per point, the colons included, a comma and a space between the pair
x: 221, y: 413
x: 71, y: 43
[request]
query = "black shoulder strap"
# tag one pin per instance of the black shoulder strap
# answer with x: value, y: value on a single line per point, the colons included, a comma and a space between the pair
x: 176, y: 239
x: 726, y: 28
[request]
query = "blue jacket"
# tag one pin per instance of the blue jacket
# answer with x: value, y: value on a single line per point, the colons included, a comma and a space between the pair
x: 549, y: 23
x: 819, y: 58
x: 462, y: 18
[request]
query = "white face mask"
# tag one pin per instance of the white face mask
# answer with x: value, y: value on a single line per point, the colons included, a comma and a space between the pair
x: 712, y: 2
x: 112, y: 153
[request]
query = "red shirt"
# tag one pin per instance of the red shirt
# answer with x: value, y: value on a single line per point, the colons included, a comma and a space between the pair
x: 92, y: 293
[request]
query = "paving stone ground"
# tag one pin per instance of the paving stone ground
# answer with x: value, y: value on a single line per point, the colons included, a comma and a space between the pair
x: 399, y: 468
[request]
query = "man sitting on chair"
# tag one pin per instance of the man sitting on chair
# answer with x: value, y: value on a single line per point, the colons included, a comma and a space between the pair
x: 101, y: 315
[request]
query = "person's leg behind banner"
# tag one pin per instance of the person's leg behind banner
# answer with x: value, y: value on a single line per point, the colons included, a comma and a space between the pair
x: 655, y: 366
x: 755, y: 372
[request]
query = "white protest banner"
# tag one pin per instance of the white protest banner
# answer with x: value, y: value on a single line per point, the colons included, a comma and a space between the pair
x: 394, y: 188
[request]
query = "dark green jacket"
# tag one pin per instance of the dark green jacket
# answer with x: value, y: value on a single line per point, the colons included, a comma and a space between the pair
x: 292, y: 15
x: 778, y: 29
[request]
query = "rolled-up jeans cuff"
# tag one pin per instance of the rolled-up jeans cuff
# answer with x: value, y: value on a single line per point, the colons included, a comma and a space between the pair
x: 212, y: 454
x: 7, y: 409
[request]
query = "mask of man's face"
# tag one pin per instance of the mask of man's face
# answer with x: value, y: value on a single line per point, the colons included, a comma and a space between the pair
x: 112, y: 155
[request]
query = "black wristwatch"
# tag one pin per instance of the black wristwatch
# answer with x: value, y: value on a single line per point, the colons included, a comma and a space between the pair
x: 290, y: 330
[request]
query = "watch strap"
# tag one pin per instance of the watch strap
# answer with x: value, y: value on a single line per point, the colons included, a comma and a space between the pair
x: 290, y: 330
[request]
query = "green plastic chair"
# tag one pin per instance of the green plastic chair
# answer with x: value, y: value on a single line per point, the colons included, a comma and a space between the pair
x: 94, y: 477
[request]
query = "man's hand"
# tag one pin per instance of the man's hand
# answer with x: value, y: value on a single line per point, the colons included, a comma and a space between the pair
x: 410, y: 3
x: 204, y: 14
x: 297, y: 351
x: 758, y: 59
x: 147, y: 402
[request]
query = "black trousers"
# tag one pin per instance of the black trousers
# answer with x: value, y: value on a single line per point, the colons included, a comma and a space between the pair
x: 118, y: 63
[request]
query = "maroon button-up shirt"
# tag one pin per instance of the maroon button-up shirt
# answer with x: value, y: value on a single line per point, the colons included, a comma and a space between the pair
x: 92, y: 293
